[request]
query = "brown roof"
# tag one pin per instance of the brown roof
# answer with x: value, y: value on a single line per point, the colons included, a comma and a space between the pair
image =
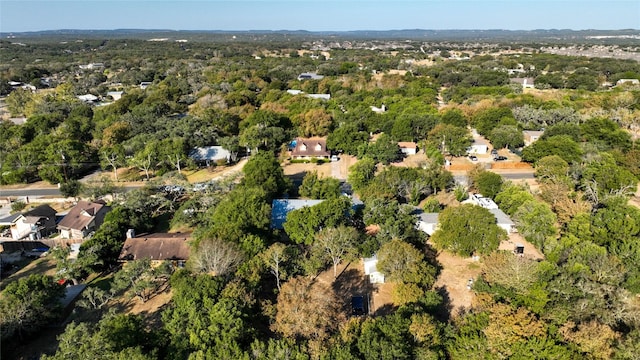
x: 81, y: 215
x: 157, y: 246
x: 310, y: 147
x: 407, y: 144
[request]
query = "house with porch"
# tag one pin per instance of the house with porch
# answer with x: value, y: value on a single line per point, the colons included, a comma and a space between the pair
x: 83, y: 219
x: 33, y: 224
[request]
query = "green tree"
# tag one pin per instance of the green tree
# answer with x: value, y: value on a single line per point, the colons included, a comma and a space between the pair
x: 302, y: 224
x: 384, y: 150
x: 361, y: 173
x: 28, y: 304
x: 506, y: 136
x: 536, y: 222
x: 315, y: 188
x: 347, y: 138
x: 487, y: 183
x: 561, y: 145
x: 450, y: 139
x: 454, y: 117
x: 468, y: 229
x: 263, y: 170
x: 402, y: 262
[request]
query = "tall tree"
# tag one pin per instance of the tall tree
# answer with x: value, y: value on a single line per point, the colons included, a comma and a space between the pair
x: 468, y: 229
x: 336, y: 244
x: 263, y: 170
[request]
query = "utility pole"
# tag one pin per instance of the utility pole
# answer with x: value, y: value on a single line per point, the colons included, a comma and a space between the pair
x: 64, y: 166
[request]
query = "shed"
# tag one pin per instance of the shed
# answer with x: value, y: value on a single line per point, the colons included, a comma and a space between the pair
x: 428, y: 222
x: 371, y: 270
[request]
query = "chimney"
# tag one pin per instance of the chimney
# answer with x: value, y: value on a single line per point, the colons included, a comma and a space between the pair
x: 131, y: 234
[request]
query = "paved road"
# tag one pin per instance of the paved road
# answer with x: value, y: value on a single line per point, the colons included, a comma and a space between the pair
x: 462, y: 178
x: 15, y: 193
x: 517, y: 176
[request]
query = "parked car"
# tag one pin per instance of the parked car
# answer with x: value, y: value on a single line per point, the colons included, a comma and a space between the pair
x: 473, y: 158
x: 334, y: 158
x: 357, y: 306
x: 494, y: 152
x: 499, y: 158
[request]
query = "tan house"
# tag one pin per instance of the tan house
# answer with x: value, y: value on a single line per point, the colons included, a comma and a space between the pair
x: 157, y: 247
x: 308, y: 148
x: 83, y: 219
x: 531, y: 136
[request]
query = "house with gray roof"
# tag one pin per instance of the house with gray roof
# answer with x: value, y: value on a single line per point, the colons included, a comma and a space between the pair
x: 209, y: 155
x: 280, y: 208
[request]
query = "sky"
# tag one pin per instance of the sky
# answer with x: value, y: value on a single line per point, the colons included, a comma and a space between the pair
x: 318, y: 15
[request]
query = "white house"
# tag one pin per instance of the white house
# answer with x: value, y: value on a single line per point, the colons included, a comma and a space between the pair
x: 628, y: 81
x: 482, y: 201
x: 115, y: 95
x: 504, y: 221
x: 210, y: 154
x: 408, y: 147
x: 371, y: 270
x: 319, y: 96
x: 480, y: 146
x: 428, y: 222
x: 526, y: 83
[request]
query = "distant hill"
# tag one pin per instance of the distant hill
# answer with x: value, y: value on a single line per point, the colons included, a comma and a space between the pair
x: 550, y: 35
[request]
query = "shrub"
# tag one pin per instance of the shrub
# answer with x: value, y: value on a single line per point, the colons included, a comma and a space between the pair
x: 18, y: 206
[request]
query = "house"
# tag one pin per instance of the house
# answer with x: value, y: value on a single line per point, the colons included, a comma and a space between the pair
x: 115, y: 95
x: 157, y: 247
x: 145, y: 84
x: 408, y: 147
x: 428, y: 222
x: 295, y: 92
x: 371, y: 270
x: 479, y: 146
x: 531, y: 136
x: 309, y: 76
x: 83, y: 219
x: 88, y: 98
x: 319, y: 96
x: 526, y: 83
x: 91, y: 66
x: 308, y: 148
x: 280, y: 208
x: 36, y: 223
x: 482, y: 201
x: 209, y: 154
x: 628, y: 81
x: 504, y: 221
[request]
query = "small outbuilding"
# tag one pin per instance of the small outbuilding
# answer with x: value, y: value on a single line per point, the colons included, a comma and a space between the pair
x: 371, y: 270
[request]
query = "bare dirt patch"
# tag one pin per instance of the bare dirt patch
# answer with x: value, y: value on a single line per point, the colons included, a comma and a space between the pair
x: 457, y: 271
x: 514, y: 239
x: 454, y: 278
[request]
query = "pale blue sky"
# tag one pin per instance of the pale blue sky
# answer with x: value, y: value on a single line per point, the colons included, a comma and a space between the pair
x: 339, y: 15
